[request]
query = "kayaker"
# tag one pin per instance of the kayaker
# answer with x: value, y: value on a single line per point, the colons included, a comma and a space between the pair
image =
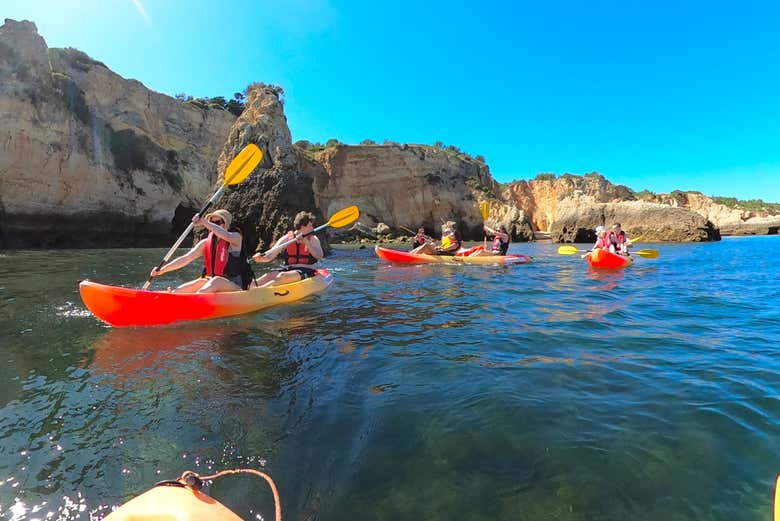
x: 450, y: 242
x: 619, y: 241
x: 500, y: 239
x: 299, y: 256
x: 224, y: 258
x: 420, y: 238
x: 602, y: 240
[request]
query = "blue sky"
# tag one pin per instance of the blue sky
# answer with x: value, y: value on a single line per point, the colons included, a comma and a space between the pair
x: 658, y: 95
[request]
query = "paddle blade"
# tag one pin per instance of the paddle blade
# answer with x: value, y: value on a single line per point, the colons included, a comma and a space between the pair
x: 344, y: 217
x: 567, y: 250
x: 484, y: 208
x: 243, y: 164
x: 647, y: 254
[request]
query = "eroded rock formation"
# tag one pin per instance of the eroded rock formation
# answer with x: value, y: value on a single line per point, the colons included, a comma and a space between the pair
x: 90, y: 158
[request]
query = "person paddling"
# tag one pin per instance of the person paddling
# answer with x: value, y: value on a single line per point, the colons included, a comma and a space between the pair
x: 224, y: 258
x: 420, y: 238
x: 602, y: 241
x: 619, y: 241
x: 450, y: 242
x: 299, y: 256
x: 500, y: 239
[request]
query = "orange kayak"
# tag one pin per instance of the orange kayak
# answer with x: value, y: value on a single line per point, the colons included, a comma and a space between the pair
x: 119, y: 306
x: 608, y: 260
x: 405, y: 257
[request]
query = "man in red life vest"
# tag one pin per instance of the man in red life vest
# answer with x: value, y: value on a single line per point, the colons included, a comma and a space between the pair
x: 224, y: 258
x: 299, y: 256
x: 620, y: 243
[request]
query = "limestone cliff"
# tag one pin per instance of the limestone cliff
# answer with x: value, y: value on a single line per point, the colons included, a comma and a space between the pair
x: 266, y: 202
x: 90, y: 158
x: 411, y: 186
x: 734, y: 220
x: 541, y: 197
x: 576, y: 218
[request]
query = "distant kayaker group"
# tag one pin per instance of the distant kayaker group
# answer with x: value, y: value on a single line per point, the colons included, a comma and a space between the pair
x: 226, y: 260
x: 616, y: 241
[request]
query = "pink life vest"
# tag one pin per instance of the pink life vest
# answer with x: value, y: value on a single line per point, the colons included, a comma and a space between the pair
x: 603, y: 243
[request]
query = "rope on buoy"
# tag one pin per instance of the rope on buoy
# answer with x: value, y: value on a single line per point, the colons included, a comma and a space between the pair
x: 191, y: 479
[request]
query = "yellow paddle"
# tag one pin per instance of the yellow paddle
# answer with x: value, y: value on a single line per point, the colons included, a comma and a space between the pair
x: 484, y: 208
x: 776, y: 508
x: 239, y: 169
x: 571, y: 250
x: 339, y: 219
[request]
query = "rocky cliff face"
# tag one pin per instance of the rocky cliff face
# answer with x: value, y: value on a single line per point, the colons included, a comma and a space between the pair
x: 577, y: 217
x: 540, y: 198
x: 411, y: 186
x: 90, y: 158
x: 731, y: 221
x: 266, y: 202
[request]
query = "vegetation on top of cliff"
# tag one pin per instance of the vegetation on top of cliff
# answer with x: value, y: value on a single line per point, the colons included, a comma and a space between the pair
x: 78, y: 59
x: 310, y: 149
x: 756, y: 205
x: 476, y: 184
x: 236, y: 105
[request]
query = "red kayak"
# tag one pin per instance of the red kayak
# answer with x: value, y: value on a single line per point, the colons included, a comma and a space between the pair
x: 404, y: 257
x: 136, y: 307
x: 608, y: 260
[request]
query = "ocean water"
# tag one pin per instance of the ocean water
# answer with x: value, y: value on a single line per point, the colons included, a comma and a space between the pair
x: 546, y: 391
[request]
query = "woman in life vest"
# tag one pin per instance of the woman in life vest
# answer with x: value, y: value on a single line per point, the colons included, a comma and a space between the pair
x: 620, y: 243
x: 450, y: 242
x: 223, y: 257
x: 500, y: 242
x: 299, y: 256
x: 602, y: 240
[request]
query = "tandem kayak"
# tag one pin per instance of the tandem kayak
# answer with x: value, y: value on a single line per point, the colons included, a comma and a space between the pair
x: 608, y: 260
x: 417, y: 258
x: 136, y: 307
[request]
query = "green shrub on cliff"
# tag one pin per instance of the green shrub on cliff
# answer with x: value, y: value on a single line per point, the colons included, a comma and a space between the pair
x: 544, y: 177
x: 644, y: 195
x: 756, y: 205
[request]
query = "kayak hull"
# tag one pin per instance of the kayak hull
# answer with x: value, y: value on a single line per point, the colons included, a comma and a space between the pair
x: 119, y: 306
x: 605, y: 259
x: 404, y: 257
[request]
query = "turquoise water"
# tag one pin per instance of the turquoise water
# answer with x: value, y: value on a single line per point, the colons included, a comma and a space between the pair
x: 545, y: 391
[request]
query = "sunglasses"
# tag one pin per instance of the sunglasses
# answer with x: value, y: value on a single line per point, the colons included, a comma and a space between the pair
x: 218, y: 221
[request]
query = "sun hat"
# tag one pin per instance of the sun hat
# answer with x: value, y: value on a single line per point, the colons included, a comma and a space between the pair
x: 601, y: 229
x: 222, y: 214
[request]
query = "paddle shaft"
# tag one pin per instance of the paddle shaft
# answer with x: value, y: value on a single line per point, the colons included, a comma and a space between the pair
x: 183, y: 235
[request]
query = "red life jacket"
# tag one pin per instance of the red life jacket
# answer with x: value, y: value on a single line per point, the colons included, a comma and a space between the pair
x: 216, y: 255
x: 603, y: 242
x: 298, y: 252
x: 617, y: 238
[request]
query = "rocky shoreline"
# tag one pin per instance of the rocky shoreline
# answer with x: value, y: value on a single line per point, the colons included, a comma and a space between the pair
x: 90, y: 159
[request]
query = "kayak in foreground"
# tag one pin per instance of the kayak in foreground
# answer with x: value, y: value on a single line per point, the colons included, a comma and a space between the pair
x: 136, y: 307
x: 417, y: 258
x: 608, y: 260
x: 184, y: 500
